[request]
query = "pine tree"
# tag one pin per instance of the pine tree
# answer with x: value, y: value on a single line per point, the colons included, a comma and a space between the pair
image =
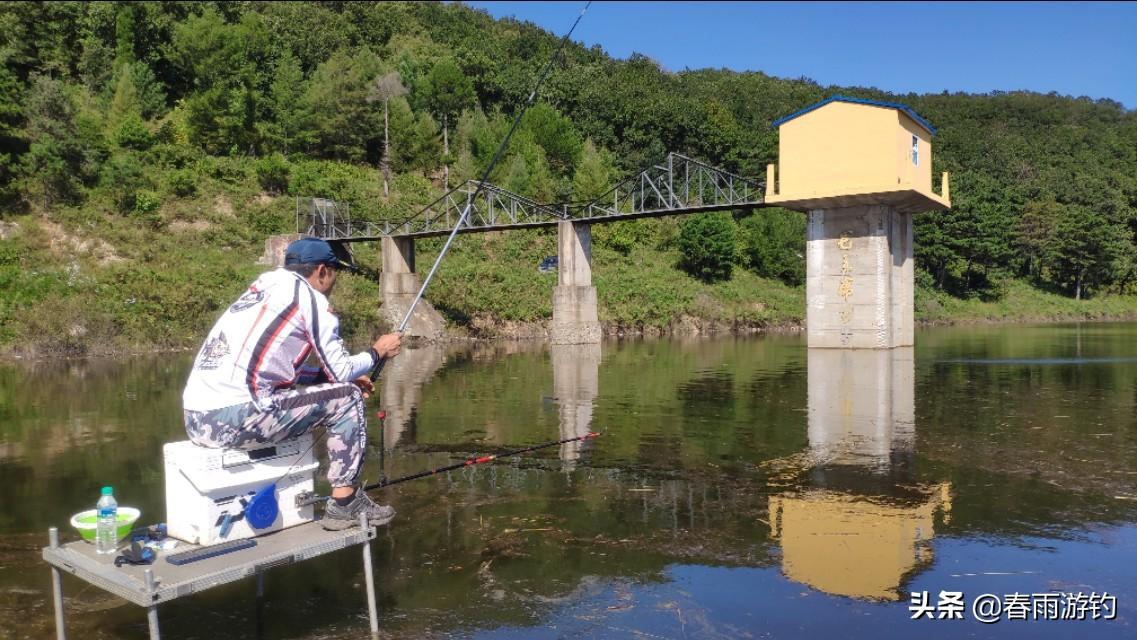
x: 447, y: 91
x: 592, y: 177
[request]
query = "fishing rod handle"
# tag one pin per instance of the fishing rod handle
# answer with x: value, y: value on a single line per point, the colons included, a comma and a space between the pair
x: 374, y: 375
x: 382, y: 361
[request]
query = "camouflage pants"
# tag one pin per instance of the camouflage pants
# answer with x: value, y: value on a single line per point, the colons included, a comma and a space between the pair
x: 336, y: 406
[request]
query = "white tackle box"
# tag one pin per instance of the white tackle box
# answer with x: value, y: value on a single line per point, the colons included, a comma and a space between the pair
x: 205, y: 487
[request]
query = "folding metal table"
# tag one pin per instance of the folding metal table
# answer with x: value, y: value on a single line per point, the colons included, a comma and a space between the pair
x: 150, y: 585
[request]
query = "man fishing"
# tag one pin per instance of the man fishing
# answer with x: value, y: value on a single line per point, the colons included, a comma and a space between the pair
x: 243, y: 390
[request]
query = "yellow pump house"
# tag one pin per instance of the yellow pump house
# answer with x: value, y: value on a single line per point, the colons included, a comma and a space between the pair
x: 844, y: 152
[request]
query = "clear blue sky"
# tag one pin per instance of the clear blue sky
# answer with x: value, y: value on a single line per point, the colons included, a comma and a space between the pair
x: 1077, y: 49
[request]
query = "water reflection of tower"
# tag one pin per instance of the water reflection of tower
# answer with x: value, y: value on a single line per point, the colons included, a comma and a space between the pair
x: 576, y: 382
x: 859, y: 524
x: 402, y: 381
x: 862, y: 407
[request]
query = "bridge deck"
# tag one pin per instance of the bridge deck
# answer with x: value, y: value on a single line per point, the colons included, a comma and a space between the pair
x: 365, y: 237
x: 677, y: 186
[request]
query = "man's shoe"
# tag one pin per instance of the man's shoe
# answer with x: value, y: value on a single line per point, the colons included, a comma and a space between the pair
x: 337, y: 518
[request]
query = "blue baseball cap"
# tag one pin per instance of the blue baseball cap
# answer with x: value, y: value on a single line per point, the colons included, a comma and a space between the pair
x: 317, y: 251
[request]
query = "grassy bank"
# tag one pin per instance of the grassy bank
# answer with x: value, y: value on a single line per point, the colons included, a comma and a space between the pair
x: 138, y: 182
x: 1021, y: 303
x: 90, y: 281
x: 490, y: 284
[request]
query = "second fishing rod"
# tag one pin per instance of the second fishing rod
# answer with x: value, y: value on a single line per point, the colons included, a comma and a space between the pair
x: 305, y: 499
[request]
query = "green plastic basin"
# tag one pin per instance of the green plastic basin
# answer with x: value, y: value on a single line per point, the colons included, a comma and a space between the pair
x: 85, y: 522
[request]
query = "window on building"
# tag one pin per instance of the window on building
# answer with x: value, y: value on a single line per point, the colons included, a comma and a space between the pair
x: 916, y: 151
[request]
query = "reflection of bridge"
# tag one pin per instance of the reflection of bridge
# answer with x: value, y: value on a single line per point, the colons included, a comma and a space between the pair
x: 576, y: 370
x: 679, y: 185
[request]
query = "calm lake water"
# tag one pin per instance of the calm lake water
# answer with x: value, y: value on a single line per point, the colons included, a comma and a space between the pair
x: 742, y: 488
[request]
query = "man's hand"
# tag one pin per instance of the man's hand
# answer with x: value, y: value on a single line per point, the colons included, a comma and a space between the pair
x: 365, y: 384
x: 388, y: 346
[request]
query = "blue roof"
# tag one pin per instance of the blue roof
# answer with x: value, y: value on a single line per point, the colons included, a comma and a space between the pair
x: 875, y: 103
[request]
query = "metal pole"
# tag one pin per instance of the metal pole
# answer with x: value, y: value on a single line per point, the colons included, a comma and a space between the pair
x: 57, y: 588
x: 368, y: 572
x: 152, y: 610
x: 687, y: 184
x: 670, y: 181
x: 260, y: 605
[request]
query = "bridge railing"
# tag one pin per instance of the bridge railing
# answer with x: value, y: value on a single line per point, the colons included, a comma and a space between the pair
x: 677, y: 185
x: 493, y: 206
x: 324, y: 218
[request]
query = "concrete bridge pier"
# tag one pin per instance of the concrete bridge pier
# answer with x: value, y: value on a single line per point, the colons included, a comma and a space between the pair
x: 859, y: 278
x: 398, y: 286
x: 575, y: 320
x: 274, y: 249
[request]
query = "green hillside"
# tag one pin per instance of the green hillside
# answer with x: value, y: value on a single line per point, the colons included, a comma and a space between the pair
x: 148, y: 149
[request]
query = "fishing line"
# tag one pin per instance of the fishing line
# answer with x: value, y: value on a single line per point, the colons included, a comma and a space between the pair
x: 532, y: 95
x: 258, y: 503
x: 482, y: 182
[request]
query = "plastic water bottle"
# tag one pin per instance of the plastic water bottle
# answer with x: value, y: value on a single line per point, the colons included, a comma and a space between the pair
x: 106, y: 531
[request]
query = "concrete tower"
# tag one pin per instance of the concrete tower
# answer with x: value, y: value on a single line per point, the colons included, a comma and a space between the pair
x: 859, y: 169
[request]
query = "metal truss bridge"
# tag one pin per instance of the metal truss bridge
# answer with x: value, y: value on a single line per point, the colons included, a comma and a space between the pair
x: 679, y: 185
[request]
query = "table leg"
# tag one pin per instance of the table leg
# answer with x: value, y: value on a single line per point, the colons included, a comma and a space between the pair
x: 260, y: 604
x: 152, y: 620
x: 152, y: 610
x: 372, y: 610
x: 57, y: 588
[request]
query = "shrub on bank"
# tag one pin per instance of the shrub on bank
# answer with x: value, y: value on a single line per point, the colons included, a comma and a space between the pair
x: 182, y: 183
x: 707, y: 246
x: 272, y: 173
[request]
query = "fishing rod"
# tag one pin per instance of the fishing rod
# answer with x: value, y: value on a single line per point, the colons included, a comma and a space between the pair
x: 481, y: 184
x: 305, y: 498
x: 262, y: 509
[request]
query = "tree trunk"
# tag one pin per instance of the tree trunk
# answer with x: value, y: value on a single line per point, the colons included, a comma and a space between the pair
x: 385, y: 161
x: 445, y: 152
x: 1078, y: 285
